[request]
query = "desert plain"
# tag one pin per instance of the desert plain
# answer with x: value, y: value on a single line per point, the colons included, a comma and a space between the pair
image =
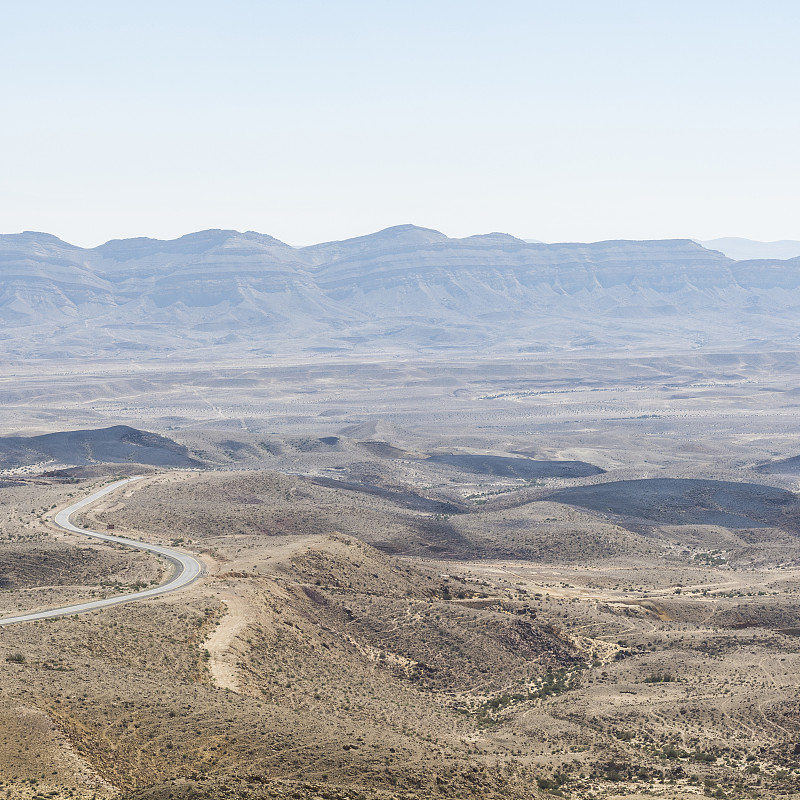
x: 521, y: 577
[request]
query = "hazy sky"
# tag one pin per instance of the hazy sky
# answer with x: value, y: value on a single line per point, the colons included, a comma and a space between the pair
x: 561, y: 120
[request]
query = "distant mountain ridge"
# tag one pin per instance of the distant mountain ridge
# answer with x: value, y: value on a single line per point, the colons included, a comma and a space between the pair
x: 748, y: 249
x: 402, y: 290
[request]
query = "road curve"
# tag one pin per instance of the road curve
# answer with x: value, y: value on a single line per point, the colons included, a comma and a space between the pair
x: 187, y: 568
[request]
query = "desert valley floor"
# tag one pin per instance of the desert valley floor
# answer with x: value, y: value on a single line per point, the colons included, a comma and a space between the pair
x: 574, y: 576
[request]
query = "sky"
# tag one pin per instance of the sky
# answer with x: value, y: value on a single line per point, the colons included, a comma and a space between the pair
x: 575, y: 120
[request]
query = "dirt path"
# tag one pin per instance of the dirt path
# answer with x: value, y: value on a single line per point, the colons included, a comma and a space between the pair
x: 223, y: 656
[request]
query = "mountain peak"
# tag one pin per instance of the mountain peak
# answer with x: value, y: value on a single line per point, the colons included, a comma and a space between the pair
x: 141, y: 247
x: 495, y: 238
x: 409, y: 228
x: 398, y: 237
x: 401, y: 234
x: 34, y: 239
x: 188, y: 245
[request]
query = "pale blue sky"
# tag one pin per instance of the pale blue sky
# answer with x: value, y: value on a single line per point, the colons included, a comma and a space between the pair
x: 568, y: 120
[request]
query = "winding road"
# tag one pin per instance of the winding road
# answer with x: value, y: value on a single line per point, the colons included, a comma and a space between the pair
x: 187, y: 568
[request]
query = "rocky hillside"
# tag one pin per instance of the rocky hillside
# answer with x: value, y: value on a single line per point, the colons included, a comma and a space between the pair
x: 402, y: 290
x: 116, y: 445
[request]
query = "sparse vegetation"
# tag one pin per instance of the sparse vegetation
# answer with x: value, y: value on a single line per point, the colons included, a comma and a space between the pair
x: 660, y: 677
x: 16, y: 658
x: 346, y: 643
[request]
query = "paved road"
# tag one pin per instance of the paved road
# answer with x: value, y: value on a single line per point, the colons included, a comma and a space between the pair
x: 187, y: 568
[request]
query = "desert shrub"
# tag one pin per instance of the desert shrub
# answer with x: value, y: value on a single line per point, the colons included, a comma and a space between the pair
x: 660, y: 677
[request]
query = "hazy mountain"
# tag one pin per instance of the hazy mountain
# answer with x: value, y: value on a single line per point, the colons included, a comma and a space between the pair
x: 749, y: 250
x: 404, y: 289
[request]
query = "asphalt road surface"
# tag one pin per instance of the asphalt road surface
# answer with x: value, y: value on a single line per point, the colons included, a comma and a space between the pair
x: 187, y: 568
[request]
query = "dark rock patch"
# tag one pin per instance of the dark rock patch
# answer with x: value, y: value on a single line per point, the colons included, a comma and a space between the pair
x: 506, y: 467
x: 410, y: 500
x: 684, y: 501
x: 384, y: 450
x: 786, y: 466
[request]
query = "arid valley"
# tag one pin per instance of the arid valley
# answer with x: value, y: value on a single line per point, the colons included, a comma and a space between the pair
x: 399, y: 400
x: 573, y: 576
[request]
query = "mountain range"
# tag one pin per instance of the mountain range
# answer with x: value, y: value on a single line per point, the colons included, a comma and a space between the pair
x: 400, y: 291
